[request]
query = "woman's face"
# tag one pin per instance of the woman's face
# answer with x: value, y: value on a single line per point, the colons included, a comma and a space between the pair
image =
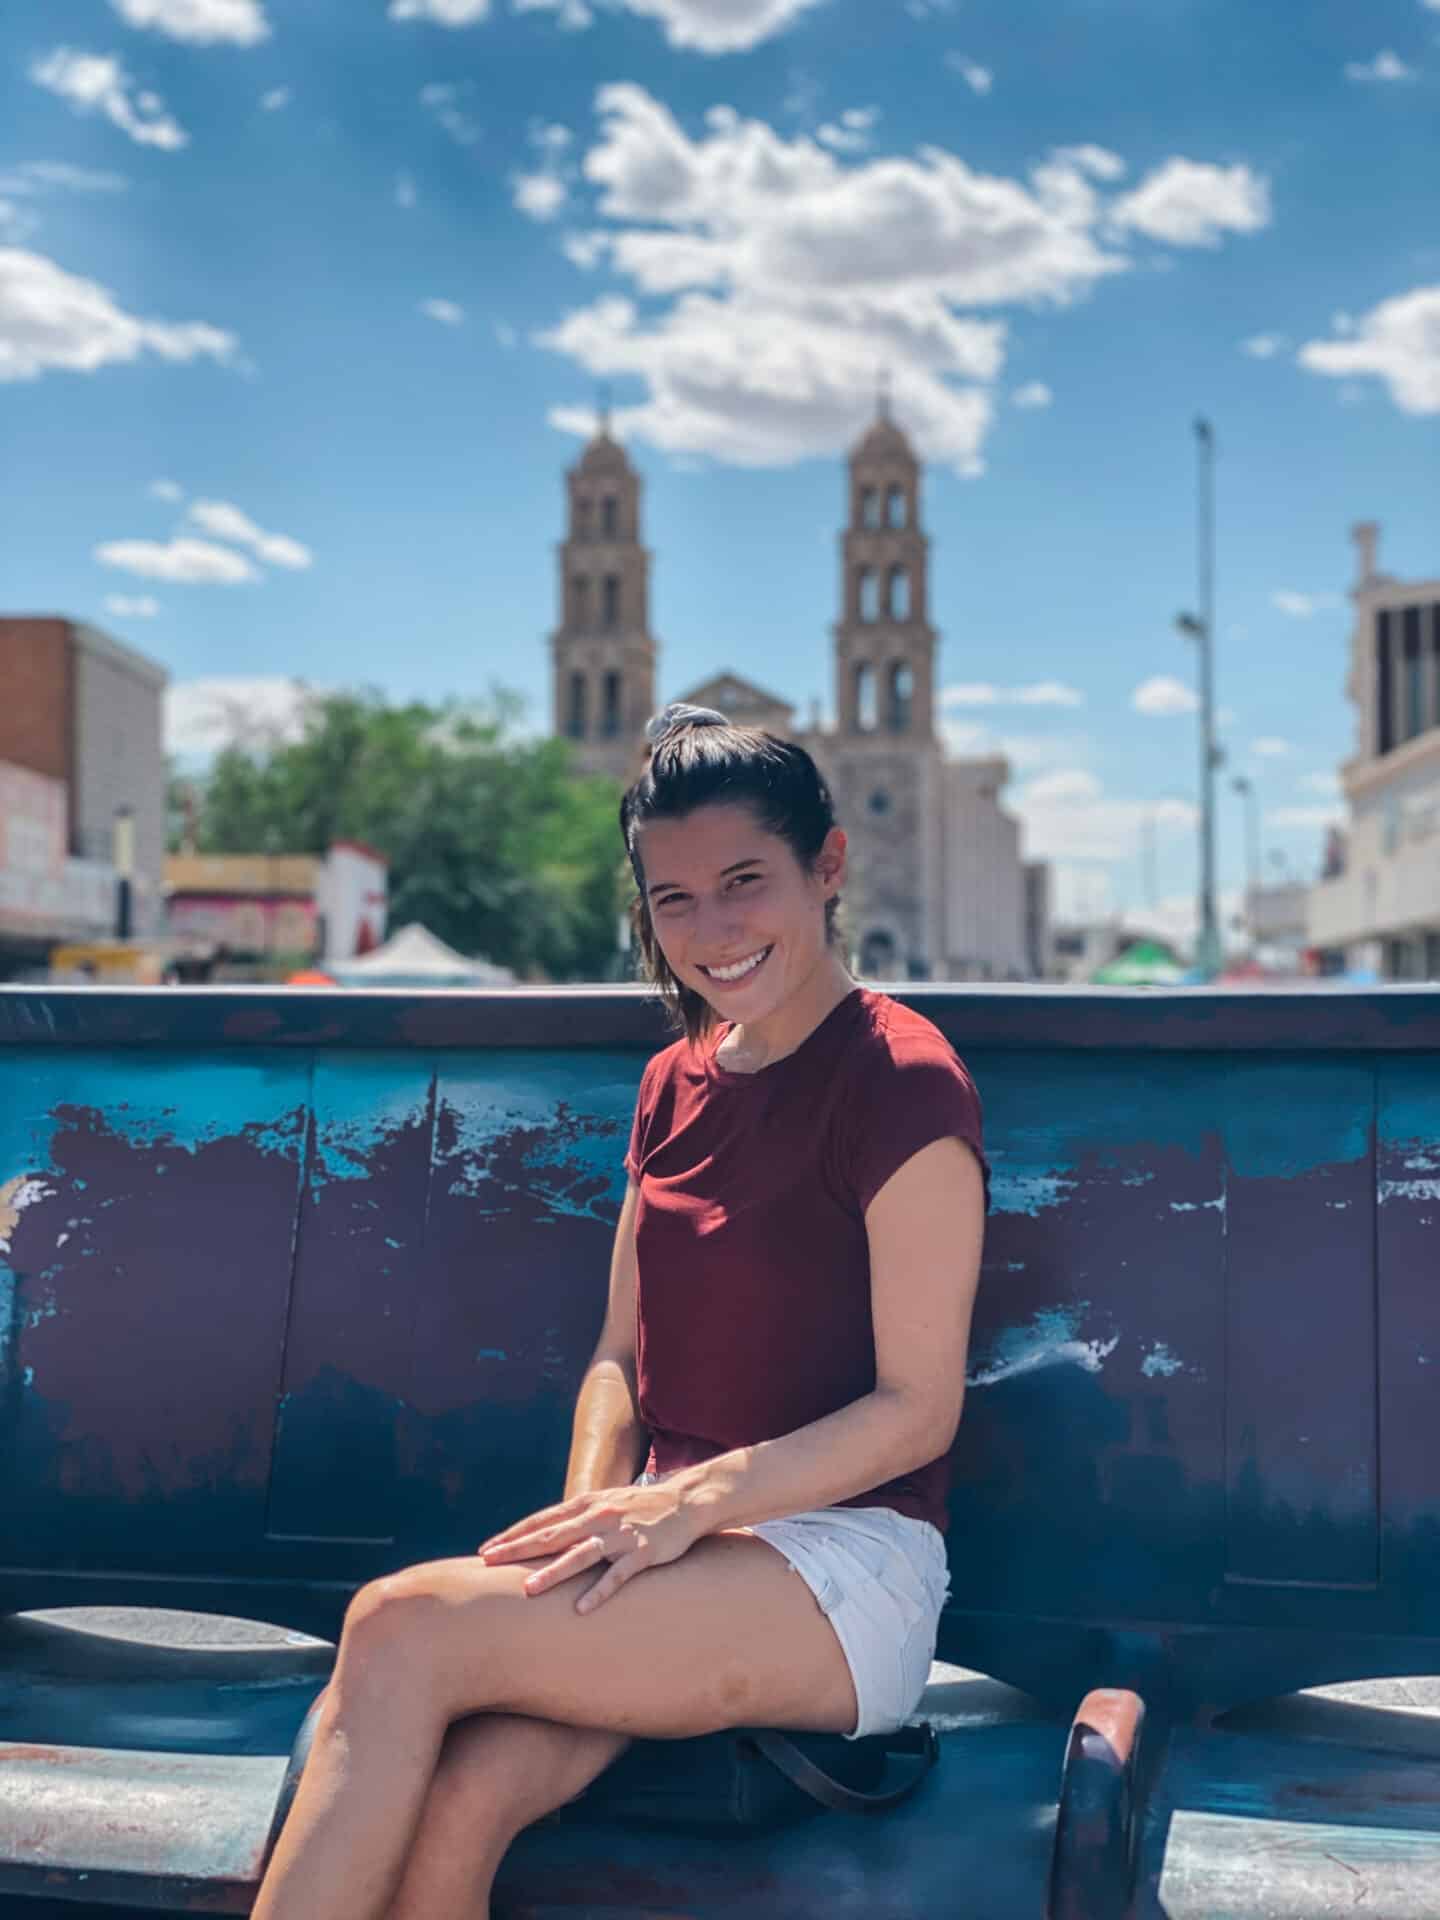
x: 737, y: 917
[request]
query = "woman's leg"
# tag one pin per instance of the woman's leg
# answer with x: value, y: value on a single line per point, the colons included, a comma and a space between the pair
x: 498, y: 1773
x: 725, y: 1636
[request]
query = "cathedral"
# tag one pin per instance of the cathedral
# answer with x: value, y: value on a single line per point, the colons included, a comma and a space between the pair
x: 937, y: 886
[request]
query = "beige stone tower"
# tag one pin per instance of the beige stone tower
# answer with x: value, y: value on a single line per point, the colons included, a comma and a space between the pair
x: 884, y: 759
x: 604, y: 656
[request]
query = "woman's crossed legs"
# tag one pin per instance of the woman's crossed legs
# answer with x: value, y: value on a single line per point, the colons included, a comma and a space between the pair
x: 725, y: 1636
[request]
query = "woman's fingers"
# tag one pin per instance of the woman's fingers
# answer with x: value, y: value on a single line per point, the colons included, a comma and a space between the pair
x: 545, y: 1517
x: 581, y: 1557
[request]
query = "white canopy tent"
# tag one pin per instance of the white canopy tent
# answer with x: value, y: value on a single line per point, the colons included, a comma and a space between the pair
x: 413, y: 957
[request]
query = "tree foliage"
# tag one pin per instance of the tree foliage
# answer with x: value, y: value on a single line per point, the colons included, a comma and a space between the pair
x: 494, y: 842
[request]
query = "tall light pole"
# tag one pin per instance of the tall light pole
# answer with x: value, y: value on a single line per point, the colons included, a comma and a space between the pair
x: 1245, y: 787
x: 1201, y: 629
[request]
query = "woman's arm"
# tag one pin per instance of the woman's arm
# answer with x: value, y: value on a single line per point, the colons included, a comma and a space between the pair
x: 924, y: 1228
x: 608, y: 1445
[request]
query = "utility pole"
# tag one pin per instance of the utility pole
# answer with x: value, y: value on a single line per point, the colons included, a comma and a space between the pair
x: 1200, y: 627
x: 1245, y: 787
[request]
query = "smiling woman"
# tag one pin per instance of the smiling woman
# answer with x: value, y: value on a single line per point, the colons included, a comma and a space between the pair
x: 752, y: 1527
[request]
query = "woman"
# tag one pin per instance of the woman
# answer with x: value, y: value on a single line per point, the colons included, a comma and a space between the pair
x: 791, y: 1289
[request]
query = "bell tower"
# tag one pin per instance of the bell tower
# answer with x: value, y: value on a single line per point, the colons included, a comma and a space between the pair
x: 603, y: 653
x: 884, y: 756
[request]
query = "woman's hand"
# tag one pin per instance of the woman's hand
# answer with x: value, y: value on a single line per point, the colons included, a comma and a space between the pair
x: 630, y: 1527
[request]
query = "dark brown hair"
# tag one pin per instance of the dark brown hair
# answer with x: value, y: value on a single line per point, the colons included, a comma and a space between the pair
x: 696, y: 759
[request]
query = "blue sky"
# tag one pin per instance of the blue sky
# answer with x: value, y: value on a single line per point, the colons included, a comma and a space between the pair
x: 341, y: 278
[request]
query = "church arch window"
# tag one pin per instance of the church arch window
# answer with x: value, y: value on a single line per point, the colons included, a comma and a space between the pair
x: 870, y: 507
x: 582, y: 519
x: 576, y: 715
x: 580, y: 600
x: 901, y: 696
x: 610, y: 705
x: 895, y: 507
x: 879, y: 803
x: 610, y: 601
x: 897, y: 593
x: 866, y: 704
x: 868, y: 593
x: 609, y: 516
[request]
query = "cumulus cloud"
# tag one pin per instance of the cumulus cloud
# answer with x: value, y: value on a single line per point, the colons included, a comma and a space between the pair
x: 447, y: 312
x: 166, y: 490
x: 703, y: 26
x: 983, y: 693
x: 851, y: 133
x: 1398, y: 342
x: 1386, y: 66
x: 226, y: 522
x: 541, y: 196
x: 202, y: 716
x: 275, y: 99
x: 203, y: 22
x: 769, y: 276
x: 1301, y: 606
x: 50, y: 319
x: 1163, y: 695
x: 98, y: 83
x: 1325, y: 782
x: 571, y: 16
x: 1305, y: 817
x: 1190, y: 203
x: 1068, y: 815
x: 979, y: 79
x: 1033, y: 394
x: 442, y: 13
x: 183, y: 562
x: 131, y: 606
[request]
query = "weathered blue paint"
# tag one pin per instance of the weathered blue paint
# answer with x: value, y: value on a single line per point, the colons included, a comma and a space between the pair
x: 301, y: 1289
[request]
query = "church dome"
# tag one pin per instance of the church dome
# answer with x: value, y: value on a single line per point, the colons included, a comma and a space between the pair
x: 883, y: 440
x: 603, y: 455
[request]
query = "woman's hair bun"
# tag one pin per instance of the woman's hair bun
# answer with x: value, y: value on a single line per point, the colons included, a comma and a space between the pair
x: 677, y: 715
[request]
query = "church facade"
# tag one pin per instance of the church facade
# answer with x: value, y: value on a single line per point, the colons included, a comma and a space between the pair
x: 937, y: 885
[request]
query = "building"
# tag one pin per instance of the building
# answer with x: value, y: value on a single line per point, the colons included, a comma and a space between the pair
x: 1379, y: 906
x: 937, y: 886
x: 259, y: 914
x: 82, y: 789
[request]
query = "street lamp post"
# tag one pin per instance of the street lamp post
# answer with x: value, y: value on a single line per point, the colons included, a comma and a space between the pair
x: 1245, y: 787
x: 1201, y: 629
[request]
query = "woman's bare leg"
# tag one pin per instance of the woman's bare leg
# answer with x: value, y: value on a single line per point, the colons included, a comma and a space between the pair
x: 725, y: 1636
x: 498, y: 1773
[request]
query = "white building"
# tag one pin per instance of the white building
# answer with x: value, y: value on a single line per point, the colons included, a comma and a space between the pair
x: 1382, y: 909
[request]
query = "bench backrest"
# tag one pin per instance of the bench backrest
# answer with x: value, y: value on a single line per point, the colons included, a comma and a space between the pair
x: 297, y: 1287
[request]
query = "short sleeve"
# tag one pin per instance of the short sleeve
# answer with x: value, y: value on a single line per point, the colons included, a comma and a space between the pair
x: 910, y: 1094
x: 640, y: 1125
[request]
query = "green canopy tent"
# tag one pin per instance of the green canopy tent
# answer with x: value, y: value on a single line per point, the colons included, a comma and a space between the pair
x: 1145, y: 964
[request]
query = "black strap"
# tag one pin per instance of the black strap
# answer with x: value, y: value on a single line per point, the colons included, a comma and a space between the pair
x: 804, y: 1773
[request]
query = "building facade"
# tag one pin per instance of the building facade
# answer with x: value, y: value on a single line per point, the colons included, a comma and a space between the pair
x: 937, y: 887
x: 1379, y: 906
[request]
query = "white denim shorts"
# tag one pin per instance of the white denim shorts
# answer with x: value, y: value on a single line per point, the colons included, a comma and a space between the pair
x: 881, y: 1580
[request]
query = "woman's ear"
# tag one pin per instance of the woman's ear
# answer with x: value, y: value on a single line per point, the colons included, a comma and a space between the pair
x: 830, y: 864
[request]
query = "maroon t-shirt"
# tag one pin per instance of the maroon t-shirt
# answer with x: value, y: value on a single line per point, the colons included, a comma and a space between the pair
x: 753, y: 1308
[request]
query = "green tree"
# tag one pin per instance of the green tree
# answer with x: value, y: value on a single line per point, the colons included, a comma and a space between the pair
x: 494, y: 842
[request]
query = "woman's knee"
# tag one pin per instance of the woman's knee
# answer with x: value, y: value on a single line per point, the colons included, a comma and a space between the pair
x: 388, y: 1636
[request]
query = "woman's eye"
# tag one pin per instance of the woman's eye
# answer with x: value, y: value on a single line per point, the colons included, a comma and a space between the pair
x: 741, y: 878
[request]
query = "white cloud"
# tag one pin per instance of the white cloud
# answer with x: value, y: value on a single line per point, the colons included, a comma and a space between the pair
x: 1325, y: 783
x: 443, y: 13
x: 539, y: 195
x: 768, y: 277
x: 1301, y: 606
x: 706, y: 26
x: 202, y: 716
x: 983, y: 693
x: 181, y: 561
x: 1398, y: 342
x: 226, y: 522
x: 1191, y: 203
x: 275, y: 99
x: 851, y: 134
x: 442, y: 100
x: 52, y: 319
x: 1068, y: 815
x: 97, y: 83
x: 166, y: 490
x: 131, y: 606
x: 1097, y: 161
x: 1386, y: 66
x: 1264, y: 346
x: 203, y: 22
x: 1163, y: 695
x: 445, y: 311
x: 405, y: 195
x: 1305, y: 817
x: 36, y: 177
x: 1270, y: 747
x: 979, y: 79
x: 571, y: 16
x: 1033, y: 394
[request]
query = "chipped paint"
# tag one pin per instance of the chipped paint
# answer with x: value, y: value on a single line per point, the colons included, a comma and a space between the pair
x: 1160, y: 1360
x: 1051, y: 1340
x: 1389, y: 1190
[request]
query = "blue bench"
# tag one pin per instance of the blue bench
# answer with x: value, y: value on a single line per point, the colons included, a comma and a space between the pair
x: 298, y: 1288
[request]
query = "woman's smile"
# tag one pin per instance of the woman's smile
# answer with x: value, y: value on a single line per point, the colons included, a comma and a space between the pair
x: 737, y: 971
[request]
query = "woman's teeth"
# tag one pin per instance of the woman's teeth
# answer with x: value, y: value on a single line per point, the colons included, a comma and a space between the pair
x: 727, y: 975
